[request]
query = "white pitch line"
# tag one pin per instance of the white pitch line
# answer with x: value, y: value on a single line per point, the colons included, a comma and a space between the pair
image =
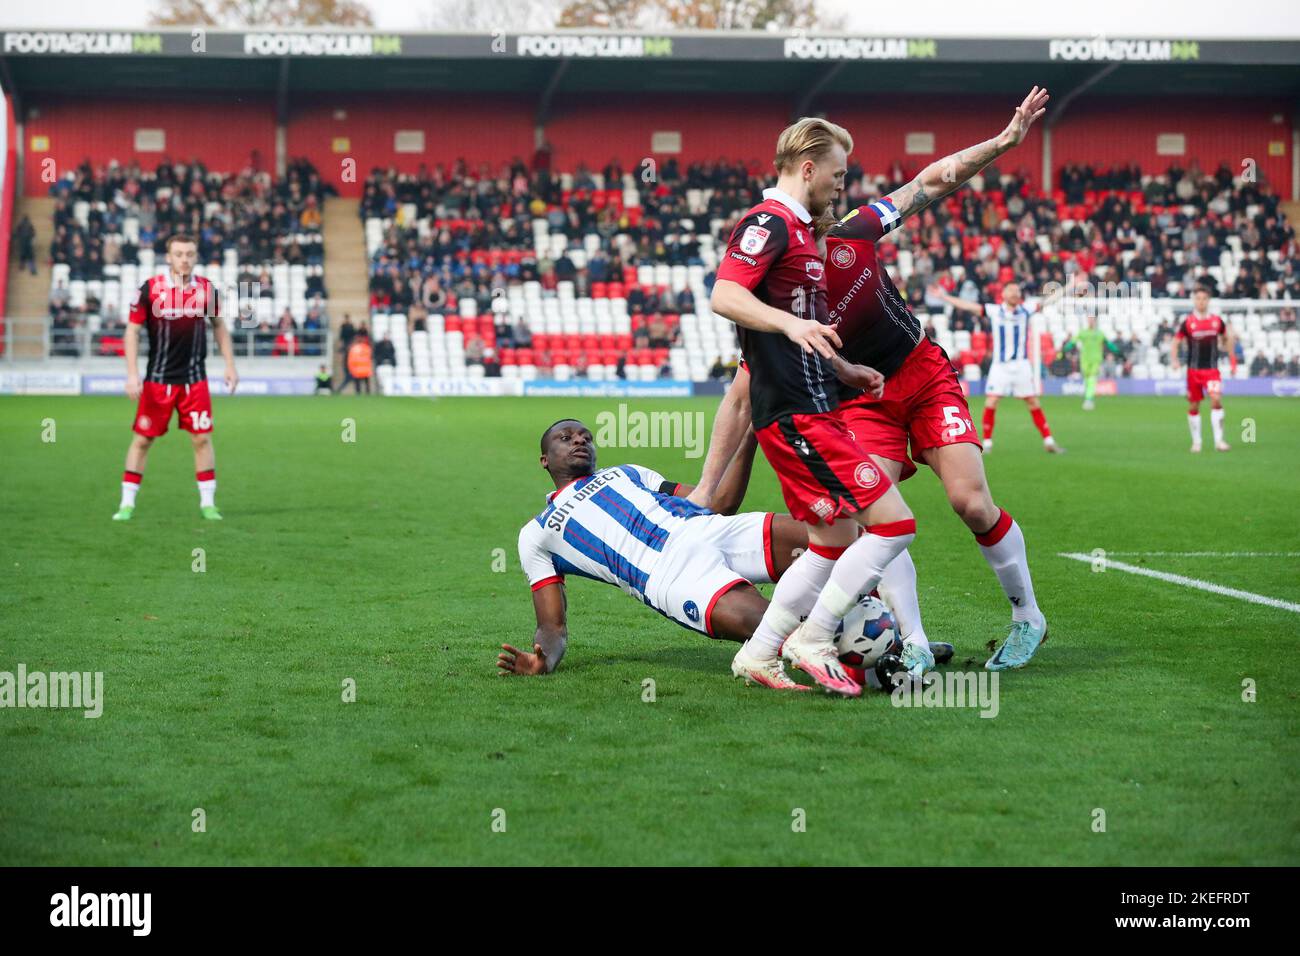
x: 1208, y: 554
x: 1186, y: 582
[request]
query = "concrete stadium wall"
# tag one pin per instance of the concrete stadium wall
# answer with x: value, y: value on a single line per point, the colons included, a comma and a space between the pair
x: 225, y: 134
x: 330, y: 129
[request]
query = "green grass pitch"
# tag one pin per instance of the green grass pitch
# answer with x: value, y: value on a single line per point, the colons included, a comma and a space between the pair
x: 374, y: 560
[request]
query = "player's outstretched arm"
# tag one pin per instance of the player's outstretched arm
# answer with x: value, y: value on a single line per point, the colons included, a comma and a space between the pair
x: 948, y: 174
x: 550, y: 640
x: 733, y: 419
x: 731, y: 490
x: 974, y: 308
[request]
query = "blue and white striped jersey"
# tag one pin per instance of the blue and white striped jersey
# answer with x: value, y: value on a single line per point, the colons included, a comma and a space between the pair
x: 611, y: 526
x: 1010, y: 328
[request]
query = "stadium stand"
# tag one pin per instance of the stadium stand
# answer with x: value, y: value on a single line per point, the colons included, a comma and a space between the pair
x: 256, y: 236
x: 526, y: 273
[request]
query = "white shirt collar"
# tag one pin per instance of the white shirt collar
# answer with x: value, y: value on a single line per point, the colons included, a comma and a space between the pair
x: 172, y: 285
x: 785, y: 199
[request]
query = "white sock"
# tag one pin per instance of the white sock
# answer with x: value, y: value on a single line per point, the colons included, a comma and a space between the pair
x: 1216, y: 424
x: 858, y: 570
x: 1194, y: 423
x: 897, y: 588
x: 1005, y: 553
x: 208, y: 493
x: 129, y: 490
x: 792, y: 599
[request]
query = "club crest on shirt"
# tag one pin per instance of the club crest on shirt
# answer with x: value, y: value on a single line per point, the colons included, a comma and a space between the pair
x: 754, y: 239
x: 843, y: 257
x: 866, y: 475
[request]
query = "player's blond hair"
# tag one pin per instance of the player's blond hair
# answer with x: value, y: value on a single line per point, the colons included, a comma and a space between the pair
x: 809, y: 138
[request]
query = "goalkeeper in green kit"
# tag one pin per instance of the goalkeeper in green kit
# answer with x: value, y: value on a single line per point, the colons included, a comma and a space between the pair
x: 1091, y: 343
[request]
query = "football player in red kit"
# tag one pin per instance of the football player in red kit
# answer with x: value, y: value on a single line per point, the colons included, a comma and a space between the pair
x: 175, y: 307
x: 1206, y: 336
x: 771, y: 282
x: 922, y: 405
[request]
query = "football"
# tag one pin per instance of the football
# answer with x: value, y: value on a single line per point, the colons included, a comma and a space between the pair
x: 867, y: 633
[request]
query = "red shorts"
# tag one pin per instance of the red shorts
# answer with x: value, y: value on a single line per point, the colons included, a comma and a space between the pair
x: 192, y: 403
x: 824, y: 473
x: 923, y: 403
x: 1202, y: 381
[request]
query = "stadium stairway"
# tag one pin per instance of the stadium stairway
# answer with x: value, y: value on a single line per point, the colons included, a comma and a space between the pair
x: 346, y: 277
x: 1291, y: 210
x: 28, y: 305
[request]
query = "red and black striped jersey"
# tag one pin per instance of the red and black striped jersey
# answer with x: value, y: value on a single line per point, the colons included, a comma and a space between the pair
x: 772, y: 252
x: 871, y: 317
x: 176, y: 318
x: 1202, y: 335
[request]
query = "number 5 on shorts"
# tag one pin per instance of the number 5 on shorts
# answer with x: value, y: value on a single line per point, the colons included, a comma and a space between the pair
x: 957, y: 426
x: 200, y: 420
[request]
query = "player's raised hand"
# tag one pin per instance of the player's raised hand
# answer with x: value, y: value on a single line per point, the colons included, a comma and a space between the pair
x: 1034, y: 106
x: 515, y: 661
x: 812, y: 336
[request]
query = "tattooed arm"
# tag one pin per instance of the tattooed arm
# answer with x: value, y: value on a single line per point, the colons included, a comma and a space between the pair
x: 948, y: 174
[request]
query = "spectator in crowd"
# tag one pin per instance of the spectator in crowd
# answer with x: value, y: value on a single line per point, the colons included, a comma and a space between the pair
x: 24, y: 238
x: 385, y: 352
x: 359, y: 363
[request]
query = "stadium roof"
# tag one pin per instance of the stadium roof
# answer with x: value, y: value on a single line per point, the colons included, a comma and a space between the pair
x: 108, y: 61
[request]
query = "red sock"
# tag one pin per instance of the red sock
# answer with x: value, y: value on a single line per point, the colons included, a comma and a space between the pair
x: 1040, y: 422
x: 988, y: 423
x: 133, y: 477
x: 208, y: 475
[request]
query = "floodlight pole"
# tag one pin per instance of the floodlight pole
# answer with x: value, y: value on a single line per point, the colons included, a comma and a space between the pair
x: 1056, y: 112
x: 544, y: 103
x: 806, y: 101
x: 282, y: 120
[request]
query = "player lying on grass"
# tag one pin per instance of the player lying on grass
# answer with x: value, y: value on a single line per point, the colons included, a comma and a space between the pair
x: 625, y: 525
